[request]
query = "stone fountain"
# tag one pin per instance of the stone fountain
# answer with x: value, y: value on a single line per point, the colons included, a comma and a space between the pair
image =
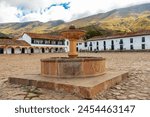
x: 83, y: 76
x: 73, y: 66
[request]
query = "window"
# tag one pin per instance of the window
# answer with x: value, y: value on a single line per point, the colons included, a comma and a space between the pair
x: 32, y: 41
x: 143, y: 46
x: 56, y: 42
x: 48, y: 42
x: 36, y: 42
x: 121, y: 44
x: 90, y: 43
x: 112, y: 42
x: 85, y: 44
x: 90, y: 48
x: 53, y: 42
x: 104, y: 47
x: 131, y: 47
x: 43, y: 42
x: 63, y: 42
x: 131, y: 40
x: 104, y: 43
x: 121, y: 41
x: 112, y: 45
x: 121, y: 47
x: 97, y: 43
x: 97, y: 46
x: 59, y: 43
x: 143, y: 39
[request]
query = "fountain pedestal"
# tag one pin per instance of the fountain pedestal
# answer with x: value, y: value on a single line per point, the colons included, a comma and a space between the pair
x: 73, y: 53
x: 81, y: 67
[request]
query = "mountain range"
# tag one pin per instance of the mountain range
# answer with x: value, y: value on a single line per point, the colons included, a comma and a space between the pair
x: 118, y: 21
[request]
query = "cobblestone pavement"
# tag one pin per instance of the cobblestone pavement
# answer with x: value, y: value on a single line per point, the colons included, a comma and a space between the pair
x: 137, y: 86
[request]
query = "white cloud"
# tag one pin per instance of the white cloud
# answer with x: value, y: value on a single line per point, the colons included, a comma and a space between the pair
x: 59, y: 13
x: 53, y: 14
x: 8, y: 13
x: 96, y: 6
x: 78, y: 8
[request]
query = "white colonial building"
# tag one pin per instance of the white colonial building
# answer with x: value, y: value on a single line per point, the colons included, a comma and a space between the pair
x: 45, y: 43
x: 46, y: 40
x: 136, y: 41
x: 34, y: 43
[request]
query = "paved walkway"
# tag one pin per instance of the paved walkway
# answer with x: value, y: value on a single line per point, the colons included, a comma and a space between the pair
x: 137, y: 86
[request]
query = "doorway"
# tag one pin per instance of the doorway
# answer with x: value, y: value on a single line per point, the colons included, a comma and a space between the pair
x: 32, y: 50
x: 1, y: 51
x: 12, y: 50
x: 23, y: 50
x: 43, y: 51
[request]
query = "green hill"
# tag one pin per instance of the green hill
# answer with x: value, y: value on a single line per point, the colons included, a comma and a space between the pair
x: 118, y: 21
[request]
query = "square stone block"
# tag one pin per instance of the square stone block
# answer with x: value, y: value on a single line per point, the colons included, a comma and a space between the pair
x: 84, y: 87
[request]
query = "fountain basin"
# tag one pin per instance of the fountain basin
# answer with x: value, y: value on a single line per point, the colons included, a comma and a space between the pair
x: 80, y: 67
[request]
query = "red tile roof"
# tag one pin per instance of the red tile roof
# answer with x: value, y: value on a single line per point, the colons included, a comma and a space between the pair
x: 13, y: 42
x: 45, y: 36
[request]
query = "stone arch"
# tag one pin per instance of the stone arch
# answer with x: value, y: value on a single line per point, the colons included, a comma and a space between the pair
x: 42, y: 50
x: 36, y: 50
x: 52, y: 50
x: 32, y: 50
x: 24, y: 50
x: 47, y: 49
x: 61, y: 50
x: 17, y: 50
x: 56, y: 50
x: 10, y: 50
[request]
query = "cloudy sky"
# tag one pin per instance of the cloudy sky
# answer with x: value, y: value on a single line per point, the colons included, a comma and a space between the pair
x: 67, y: 10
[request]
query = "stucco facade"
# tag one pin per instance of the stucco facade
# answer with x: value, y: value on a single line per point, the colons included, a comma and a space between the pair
x: 140, y: 42
x: 26, y: 37
x: 34, y: 43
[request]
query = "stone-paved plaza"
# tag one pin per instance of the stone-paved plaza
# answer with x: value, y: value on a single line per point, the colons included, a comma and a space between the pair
x: 136, y: 86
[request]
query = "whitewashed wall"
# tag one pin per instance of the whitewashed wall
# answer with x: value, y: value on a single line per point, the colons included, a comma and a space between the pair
x: 137, y: 44
x: 29, y: 50
x: 9, y: 50
x: 46, y: 50
x: 17, y: 51
x: 66, y: 46
x: 26, y: 50
x: 36, y: 50
x: 26, y: 38
x: 147, y: 41
x: 5, y: 51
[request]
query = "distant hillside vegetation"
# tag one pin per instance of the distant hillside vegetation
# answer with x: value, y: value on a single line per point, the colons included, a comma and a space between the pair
x: 16, y: 29
x: 118, y: 21
x: 4, y: 36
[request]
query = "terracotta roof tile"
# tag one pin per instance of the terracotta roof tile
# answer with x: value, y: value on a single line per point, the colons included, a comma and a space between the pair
x: 13, y: 42
x: 44, y: 36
